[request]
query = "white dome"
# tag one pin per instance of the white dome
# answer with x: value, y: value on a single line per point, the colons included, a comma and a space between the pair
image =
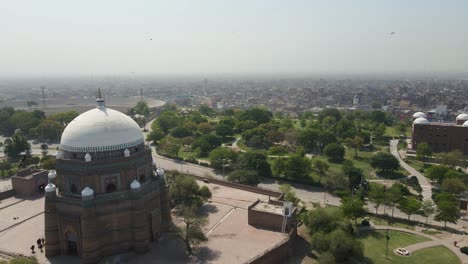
x: 101, y: 129
x: 421, y: 120
x: 52, y: 174
x: 463, y: 117
x: 160, y: 172
x: 465, y: 124
x: 135, y: 185
x: 87, y: 192
x: 419, y: 114
x: 50, y: 188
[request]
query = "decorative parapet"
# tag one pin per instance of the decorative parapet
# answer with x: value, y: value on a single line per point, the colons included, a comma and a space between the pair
x: 102, y: 148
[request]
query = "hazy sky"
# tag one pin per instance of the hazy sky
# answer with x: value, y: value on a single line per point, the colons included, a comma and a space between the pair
x: 219, y: 36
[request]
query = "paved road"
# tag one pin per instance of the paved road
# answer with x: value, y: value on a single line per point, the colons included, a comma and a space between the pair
x: 426, y: 186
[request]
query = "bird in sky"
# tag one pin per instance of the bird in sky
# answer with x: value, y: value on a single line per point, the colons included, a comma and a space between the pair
x: 392, y: 33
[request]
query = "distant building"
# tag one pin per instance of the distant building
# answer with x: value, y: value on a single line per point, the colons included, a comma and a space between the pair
x: 355, y: 100
x: 28, y: 182
x: 105, y: 197
x: 441, y: 137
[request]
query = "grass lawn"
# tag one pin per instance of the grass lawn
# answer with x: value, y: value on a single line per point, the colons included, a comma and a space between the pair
x: 187, y: 153
x: 391, y: 131
x: 374, y: 247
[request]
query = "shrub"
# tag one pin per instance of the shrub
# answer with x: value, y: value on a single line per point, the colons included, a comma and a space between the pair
x: 464, y: 250
x: 365, y: 222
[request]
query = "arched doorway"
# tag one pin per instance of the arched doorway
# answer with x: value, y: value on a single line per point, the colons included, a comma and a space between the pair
x: 73, y: 189
x: 72, y: 243
x: 110, y: 188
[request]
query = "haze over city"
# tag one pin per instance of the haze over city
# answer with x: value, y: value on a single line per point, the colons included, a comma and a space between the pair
x: 50, y: 38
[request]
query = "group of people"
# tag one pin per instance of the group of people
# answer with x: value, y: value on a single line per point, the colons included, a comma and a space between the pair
x: 40, y: 244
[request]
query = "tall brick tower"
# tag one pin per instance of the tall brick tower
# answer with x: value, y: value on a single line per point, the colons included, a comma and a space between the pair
x: 106, y: 196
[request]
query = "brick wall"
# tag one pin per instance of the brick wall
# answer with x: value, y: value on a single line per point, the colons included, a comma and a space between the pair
x: 27, y: 185
x: 277, y: 254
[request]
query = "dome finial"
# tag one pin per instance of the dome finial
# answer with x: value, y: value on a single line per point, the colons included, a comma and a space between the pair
x: 100, y: 100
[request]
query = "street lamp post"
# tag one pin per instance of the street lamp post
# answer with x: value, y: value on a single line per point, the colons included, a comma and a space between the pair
x: 387, y: 238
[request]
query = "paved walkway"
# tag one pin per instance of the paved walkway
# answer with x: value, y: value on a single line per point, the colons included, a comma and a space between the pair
x: 436, y: 241
x: 422, y: 245
x: 425, y: 185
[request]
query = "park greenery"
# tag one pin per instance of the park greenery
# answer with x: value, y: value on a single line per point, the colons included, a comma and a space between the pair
x: 187, y: 198
x: 311, y: 148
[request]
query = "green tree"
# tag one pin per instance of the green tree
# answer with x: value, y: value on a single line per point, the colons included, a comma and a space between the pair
x: 423, y: 151
x: 5, y: 166
x: 184, y: 191
x: 48, y: 163
x: 204, y: 128
x: 289, y: 194
x: 244, y: 176
x: 377, y: 195
x: 206, y: 143
x: 292, y: 167
x: 206, y: 110
x: 335, y: 181
x: 451, y: 159
x: 171, y: 149
x: 142, y: 108
x: 335, y: 113
x: 24, y: 121
x: 335, y: 152
x: 453, y: 185
x: 378, y: 117
x: 409, y: 205
x: 355, y: 175
x: 437, y: 172
x: 428, y: 208
x: 320, y: 166
x: 13, y: 146
x: 219, y: 154
x: 353, y: 208
x: 257, y: 114
x: 64, y: 117
x: 181, y: 132
x: 155, y: 135
x: 401, y: 128
x: 47, y: 130
x: 167, y: 120
x: 309, y: 138
x: 355, y: 143
x: 447, y: 209
x: 224, y: 130
x: 384, y: 162
x: 190, y: 227
x: 394, y: 195
x: 256, y: 161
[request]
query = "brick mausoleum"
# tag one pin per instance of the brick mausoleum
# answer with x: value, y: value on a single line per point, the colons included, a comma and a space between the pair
x: 441, y: 137
x: 106, y: 196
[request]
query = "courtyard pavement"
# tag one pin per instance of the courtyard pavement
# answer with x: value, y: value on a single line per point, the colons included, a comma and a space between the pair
x: 231, y: 239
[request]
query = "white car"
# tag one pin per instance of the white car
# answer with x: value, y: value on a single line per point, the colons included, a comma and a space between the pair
x: 402, y: 251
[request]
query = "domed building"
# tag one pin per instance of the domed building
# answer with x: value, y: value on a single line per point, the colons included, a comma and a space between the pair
x: 419, y: 115
x: 106, y: 196
x: 461, y: 118
x: 441, y: 137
